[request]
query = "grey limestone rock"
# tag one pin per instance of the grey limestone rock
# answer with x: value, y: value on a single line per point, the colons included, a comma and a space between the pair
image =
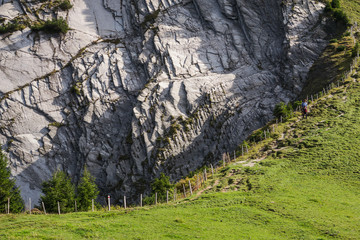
x: 136, y: 88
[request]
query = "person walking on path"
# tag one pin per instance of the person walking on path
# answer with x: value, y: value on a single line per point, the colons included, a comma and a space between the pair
x: 304, y: 108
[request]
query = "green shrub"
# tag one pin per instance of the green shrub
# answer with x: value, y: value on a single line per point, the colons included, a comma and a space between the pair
x: 340, y: 48
x: 296, y: 104
x: 76, y: 88
x: 56, y: 124
x: 334, y: 40
x: 150, y: 18
x: 340, y: 16
x: 174, y: 128
x: 335, y: 4
x: 12, y: 27
x: 283, y: 110
x: 64, y: 5
x: 52, y: 26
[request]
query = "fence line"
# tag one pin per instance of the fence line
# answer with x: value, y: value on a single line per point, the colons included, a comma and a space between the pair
x: 202, y: 178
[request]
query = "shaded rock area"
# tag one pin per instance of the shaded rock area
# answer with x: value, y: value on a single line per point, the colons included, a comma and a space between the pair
x: 136, y: 88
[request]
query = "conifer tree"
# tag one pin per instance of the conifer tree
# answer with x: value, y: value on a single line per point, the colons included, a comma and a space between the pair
x: 58, y: 189
x: 8, y: 188
x: 161, y: 185
x: 86, y: 191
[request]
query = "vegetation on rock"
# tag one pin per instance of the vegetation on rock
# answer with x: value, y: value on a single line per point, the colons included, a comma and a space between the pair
x: 51, y: 26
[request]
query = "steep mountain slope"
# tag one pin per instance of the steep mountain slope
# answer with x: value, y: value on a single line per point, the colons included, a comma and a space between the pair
x: 140, y: 87
x: 303, y: 183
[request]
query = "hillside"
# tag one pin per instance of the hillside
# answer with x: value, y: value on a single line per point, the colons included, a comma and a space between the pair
x: 131, y: 89
x: 302, y: 182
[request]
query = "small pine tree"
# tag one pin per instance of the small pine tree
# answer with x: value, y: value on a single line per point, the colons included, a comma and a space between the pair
x: 58, y: 189
x: 161, y: 185
x: 8, y: 188
x: 86, y: 191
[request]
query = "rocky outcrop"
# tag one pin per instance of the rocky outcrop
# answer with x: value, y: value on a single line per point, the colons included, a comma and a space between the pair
x: 136, y: 88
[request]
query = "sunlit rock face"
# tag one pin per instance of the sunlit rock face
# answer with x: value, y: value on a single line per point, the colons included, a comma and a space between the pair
x: 136, y: 88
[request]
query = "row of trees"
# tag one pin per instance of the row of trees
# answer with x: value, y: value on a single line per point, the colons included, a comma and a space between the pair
x: 58, y: 189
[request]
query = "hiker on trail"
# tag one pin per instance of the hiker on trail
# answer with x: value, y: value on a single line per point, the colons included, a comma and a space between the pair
x: 304, y: 108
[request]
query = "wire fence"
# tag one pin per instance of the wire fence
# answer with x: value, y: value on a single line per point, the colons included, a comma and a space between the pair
x: 190, y: 186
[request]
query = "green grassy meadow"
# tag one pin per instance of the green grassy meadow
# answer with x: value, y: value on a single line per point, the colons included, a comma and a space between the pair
x: 306, y: 186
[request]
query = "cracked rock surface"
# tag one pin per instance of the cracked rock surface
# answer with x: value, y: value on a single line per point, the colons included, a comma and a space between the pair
x: 136, y: 88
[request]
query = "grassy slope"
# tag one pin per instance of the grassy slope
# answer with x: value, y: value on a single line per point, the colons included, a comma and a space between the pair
x: 308, y: 187
x: 352, y: 8
x: 330, y: 66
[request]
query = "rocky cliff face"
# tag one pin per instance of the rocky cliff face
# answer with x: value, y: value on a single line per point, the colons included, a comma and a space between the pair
x: 136, y: 88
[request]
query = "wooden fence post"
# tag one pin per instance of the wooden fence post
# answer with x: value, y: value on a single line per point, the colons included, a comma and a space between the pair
x: 8, y: 206
x: 175, y: 194
x: 141, y: 200
x: 75, y: 206
x: 184, y: 190
x: 242, y: 150
x: 190, y: 187
x: 205, y: 177
x: 92, y: 204
x: 109, y: 202
x: 212, y: 170
x: 125, y: 202
x: 43, y: 205
x: 58, y: 207
x: 30, y: 206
